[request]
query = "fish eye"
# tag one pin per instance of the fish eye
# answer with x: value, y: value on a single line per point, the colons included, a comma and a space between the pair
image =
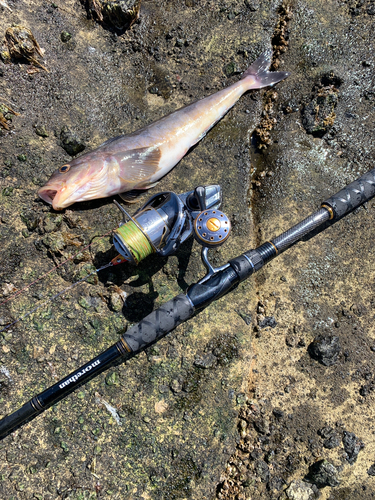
x: 64, y: 169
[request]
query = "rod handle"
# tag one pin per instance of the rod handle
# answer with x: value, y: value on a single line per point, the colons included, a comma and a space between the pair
x: 352, y: 196
x: 160, y: 322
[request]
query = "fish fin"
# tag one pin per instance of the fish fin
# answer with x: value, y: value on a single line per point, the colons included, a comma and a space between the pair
x: 133, y: 195
x: 137, y: 166
x: 150, y: 186
x: 260, y: 76
x: 108, y: 142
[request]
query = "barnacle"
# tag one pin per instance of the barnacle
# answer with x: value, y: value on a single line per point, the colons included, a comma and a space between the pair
x: 120, y: 13
x: 20, y: 43
x: 5, y: 114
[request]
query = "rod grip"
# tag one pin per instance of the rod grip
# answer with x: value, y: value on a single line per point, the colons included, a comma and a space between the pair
x: 352, y: 196
x: 159, y: 323
x: 15, y: 420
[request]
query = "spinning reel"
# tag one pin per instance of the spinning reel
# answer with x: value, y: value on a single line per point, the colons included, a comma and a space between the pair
x: 163, y: 223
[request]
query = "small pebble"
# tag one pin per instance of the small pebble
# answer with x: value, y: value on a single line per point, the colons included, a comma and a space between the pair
x: 352, y: 446
x: 325, y: 349
x: 323, y: 473
x: 65, y: 36
x: 268, y: 321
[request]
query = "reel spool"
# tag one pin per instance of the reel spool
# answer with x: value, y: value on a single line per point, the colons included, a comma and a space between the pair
x: 162, y: 224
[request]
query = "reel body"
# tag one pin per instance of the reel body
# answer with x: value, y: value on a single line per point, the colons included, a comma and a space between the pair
x: 163, y: 223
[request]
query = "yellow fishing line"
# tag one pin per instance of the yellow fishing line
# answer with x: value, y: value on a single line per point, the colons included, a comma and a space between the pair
x: 136, y: 241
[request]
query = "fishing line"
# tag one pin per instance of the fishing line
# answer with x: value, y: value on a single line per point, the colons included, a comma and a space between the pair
x: 50, y: 299
x: 51, y: 270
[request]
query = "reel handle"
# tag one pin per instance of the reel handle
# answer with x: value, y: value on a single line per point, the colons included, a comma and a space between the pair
x: 200, y: 195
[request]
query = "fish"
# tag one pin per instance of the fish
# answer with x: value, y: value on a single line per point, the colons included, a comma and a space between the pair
x: 131, y: 164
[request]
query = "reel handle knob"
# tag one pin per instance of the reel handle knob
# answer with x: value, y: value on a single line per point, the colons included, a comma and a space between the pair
x: 200, y: 195
x: 211, y: 228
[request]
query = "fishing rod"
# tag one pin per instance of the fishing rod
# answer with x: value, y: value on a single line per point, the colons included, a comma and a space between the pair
x: 211, y: 229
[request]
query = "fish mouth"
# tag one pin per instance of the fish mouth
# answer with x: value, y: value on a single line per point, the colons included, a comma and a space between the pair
x: 47, y: 194
x: 50, y: 196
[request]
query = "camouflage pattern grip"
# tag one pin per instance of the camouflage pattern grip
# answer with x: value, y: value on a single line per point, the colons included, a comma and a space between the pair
x: 159, y: 323
x: 351, y: 196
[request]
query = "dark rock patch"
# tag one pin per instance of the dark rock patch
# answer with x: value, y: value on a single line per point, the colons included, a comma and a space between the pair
x: 325, y: 349
x: 352, y: 446
x: 322, y: 474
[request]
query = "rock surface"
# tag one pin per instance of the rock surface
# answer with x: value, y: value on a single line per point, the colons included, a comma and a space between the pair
x: 230, y: 404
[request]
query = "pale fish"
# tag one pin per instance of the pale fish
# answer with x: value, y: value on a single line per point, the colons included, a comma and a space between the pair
x: 130, y: 164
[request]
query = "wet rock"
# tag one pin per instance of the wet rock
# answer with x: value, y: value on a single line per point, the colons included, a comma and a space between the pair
x: 278, y: 413
x: 268, y: 321
x: 318, y: 116
x: 85, y: 269
x: 116, y: 302
x: 54, y: 242
x: 245, y: 316
x: 325, y: 349
x: 352, y: 446
x: 207, y: 361
x: 231, y: 69
x: 153, y: 89
x: 4, y: 383
x: 332, y: 439
x: 112, y: 379
x: 299, y: 490
x: 71, y: 142
x: 41, y: 131
x: 332, y: 442
x: 261, y: 425
x: 291, y: 106
x: 275, y: 483
x: 52, y: 222
x: 175, y: 386
x: 30, y: 218
x: 65, y: 36
x: 262, y: 470
x: 253, y: 5
x: 322, y: 474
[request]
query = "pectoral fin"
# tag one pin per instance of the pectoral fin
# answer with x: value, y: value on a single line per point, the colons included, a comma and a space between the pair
x: 137, y: 166
x: 133, y: 195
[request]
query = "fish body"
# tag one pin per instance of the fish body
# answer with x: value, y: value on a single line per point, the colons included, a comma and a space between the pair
x: 137, y: 161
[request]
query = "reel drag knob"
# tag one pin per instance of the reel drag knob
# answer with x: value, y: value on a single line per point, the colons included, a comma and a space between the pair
x: 211, y: 228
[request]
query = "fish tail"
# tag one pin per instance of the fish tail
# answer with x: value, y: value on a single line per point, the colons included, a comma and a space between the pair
x: 258, y: 74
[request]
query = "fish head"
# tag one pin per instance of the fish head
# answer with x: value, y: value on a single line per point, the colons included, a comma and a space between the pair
x: 82, y: 179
